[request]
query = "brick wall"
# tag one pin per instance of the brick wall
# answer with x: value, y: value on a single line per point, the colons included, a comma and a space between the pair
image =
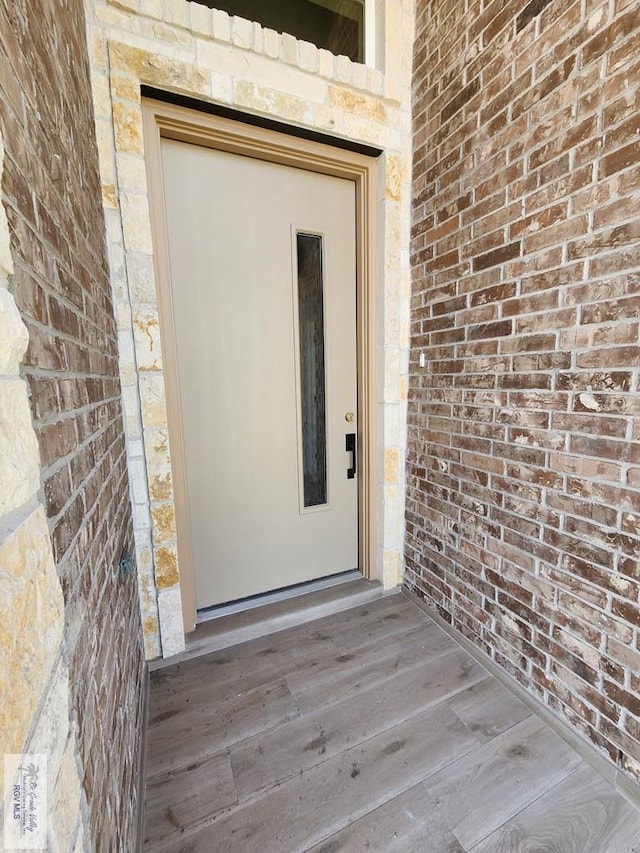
x: 523, y: 513
x: 52, y: 194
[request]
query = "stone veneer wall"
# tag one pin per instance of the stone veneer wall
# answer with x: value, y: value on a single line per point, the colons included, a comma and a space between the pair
x: 71, y: 642
x: 186, y: 48
x: 523, y: 506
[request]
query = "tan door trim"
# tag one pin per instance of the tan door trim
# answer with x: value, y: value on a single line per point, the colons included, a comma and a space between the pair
x: 165, y: 120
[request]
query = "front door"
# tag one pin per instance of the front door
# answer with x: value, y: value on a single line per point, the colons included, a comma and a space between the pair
x: 262, y: 260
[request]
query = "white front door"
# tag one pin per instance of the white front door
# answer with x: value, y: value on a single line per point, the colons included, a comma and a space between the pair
x: 262, y: 260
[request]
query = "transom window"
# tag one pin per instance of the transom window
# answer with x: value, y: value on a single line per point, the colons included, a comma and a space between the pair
x: 336, y: 25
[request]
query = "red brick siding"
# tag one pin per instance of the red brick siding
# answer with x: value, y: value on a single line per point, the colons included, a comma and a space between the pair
x: 523, y: 512
x: 52, y: 194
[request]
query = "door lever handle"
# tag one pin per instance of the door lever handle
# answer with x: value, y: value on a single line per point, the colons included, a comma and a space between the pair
x: 350, y: 447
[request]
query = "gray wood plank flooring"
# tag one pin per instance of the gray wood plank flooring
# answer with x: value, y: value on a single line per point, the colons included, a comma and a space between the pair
x: 582, y: 814
x: 366, y: 730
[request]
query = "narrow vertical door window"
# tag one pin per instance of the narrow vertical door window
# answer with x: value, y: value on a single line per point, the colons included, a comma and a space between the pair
x: 312, y: 369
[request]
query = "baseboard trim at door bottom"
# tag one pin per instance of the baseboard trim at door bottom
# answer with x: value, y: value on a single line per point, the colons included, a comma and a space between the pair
x: 220, y: 610
x: 235, y: 628
x: 586, y: 750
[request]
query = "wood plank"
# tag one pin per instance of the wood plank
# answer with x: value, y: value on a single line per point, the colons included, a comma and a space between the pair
x: 207, y: 729
x: 489, y: 709
x: 248, y: 668
x: 270, y: 758
x: 310, y: 675
x: 309, y: 807
x: 366, y: 767
x: 582, y: 814
x: 410, y: 823
x: 269, y: 658
x: 356, y: 669
x: 488, y: 787
x: 178, y: 800
x: 343, y: 674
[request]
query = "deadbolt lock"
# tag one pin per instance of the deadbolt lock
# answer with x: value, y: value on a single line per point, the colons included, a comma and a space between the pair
x: 349, y: 417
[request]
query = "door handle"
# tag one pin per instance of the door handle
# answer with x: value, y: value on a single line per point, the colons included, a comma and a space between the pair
x: 350, y: 447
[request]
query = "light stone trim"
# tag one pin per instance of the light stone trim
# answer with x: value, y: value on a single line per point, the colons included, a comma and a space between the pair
x: 216, y: 25
x: 205, y: 54
x: 34, y: 678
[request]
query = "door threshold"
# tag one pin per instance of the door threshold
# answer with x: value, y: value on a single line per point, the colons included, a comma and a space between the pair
x: 283, y: 594
x: 240, y: 626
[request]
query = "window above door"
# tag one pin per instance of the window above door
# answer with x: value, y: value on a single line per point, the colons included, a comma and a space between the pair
x: 335, y: 25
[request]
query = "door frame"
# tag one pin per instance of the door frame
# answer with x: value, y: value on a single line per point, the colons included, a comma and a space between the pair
x: 163, y: 120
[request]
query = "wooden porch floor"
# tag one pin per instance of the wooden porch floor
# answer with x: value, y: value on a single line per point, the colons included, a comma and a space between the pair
x: 367, y: 730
